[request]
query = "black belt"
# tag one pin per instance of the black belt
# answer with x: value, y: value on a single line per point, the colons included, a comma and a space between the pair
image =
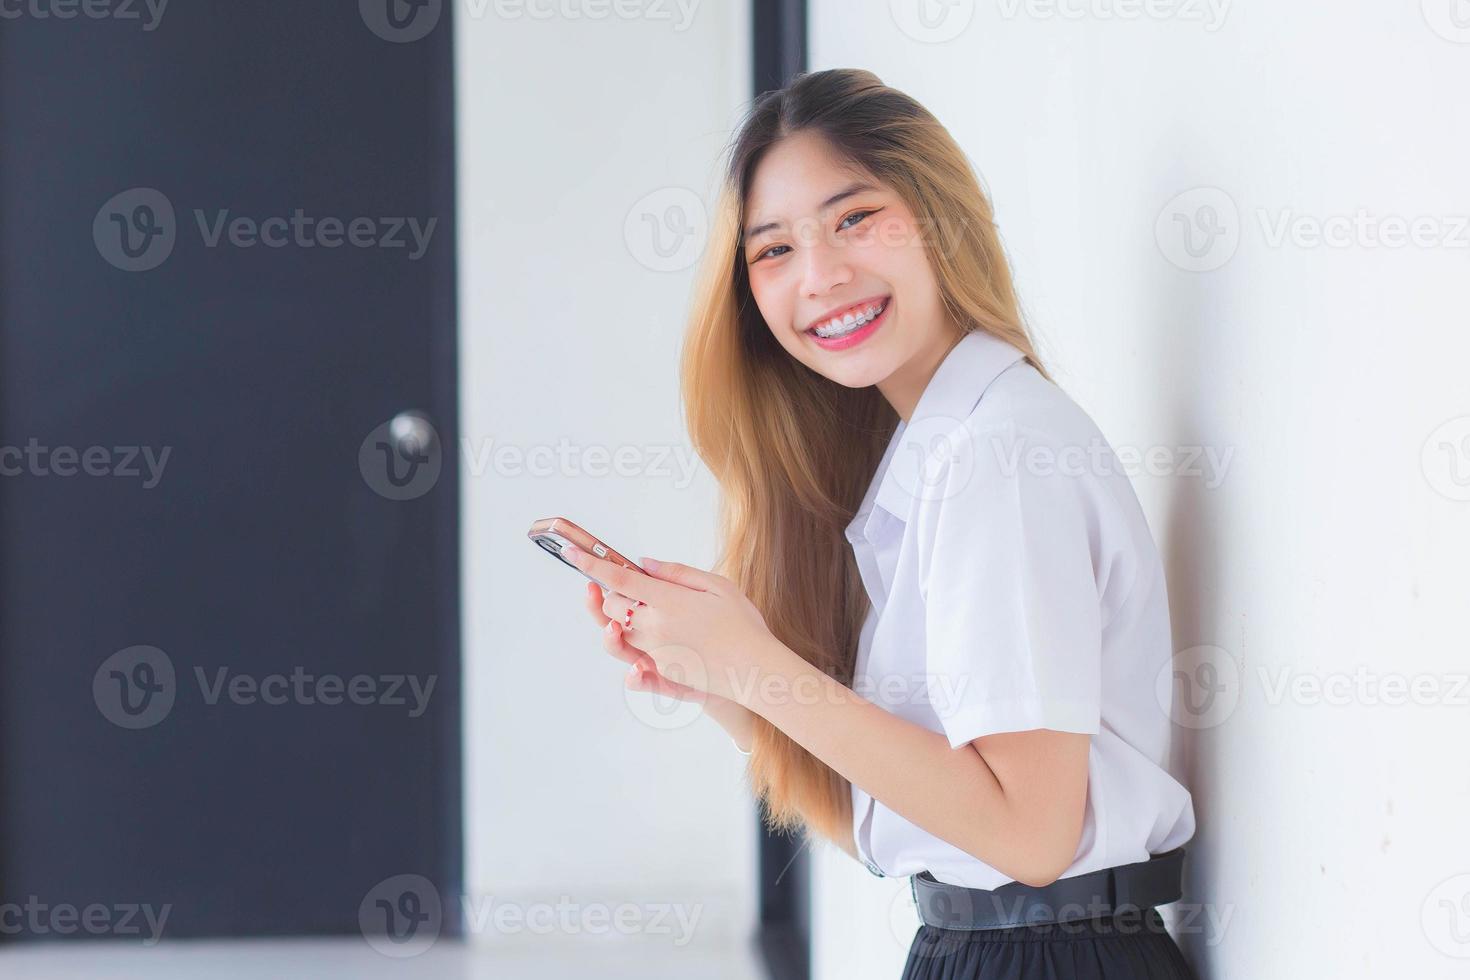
x: 1105, y: 892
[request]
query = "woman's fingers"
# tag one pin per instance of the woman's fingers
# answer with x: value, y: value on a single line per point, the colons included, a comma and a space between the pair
x: 612, y: 635
x: 650, y: 680
x: 593, y: 600
x: 615, y: 605
x: 613, y: 642
x: 636, y: 584
x: 685, y: 575
x: 645, y: 677
x: 605, y: 606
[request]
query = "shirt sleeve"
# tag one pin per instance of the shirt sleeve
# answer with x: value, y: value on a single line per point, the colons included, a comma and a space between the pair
x: 1012, y: 612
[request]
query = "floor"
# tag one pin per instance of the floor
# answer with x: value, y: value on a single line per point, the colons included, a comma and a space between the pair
x: 354, y: 959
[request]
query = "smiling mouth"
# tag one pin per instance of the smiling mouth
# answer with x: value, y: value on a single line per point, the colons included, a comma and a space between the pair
x: 839, y: 327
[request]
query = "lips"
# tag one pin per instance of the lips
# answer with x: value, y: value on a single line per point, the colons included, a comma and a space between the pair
x: 850, y: 309
x: 855, y: 337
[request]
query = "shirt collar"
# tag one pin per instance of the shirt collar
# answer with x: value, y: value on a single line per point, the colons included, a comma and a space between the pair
x: 948, y: 399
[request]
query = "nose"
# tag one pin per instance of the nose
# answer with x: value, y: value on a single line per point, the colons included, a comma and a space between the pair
x: 826, y: 268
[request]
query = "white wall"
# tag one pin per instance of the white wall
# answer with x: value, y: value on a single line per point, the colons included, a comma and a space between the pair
x: 1331, y: 824
x: 570, y: 332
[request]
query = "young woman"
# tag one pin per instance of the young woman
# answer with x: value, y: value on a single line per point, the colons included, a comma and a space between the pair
x: 939, y: 614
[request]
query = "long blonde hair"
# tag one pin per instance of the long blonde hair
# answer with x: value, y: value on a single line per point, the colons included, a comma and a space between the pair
x: 793, y: 452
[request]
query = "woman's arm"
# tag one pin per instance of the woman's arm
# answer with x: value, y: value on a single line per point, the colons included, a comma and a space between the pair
x: 736, y: 719
x: 1014, y: 800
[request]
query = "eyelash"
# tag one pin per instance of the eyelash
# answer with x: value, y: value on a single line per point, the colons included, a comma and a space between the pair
x: 853, y: 215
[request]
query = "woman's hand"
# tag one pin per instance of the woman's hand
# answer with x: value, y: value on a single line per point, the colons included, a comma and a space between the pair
x: 642, y: 673
x: 698, y: 630
x: 737, y: 720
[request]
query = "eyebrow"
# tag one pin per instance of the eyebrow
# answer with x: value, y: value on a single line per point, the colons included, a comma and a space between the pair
x: 846, y: 192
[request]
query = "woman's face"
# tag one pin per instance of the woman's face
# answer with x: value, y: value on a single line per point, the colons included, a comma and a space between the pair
x: 821, y: 242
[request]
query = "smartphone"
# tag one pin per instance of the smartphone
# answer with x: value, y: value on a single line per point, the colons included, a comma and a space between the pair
x: 552, y: 534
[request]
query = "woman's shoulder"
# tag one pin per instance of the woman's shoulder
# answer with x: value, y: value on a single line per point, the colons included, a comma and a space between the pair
x: 1027, y: 436
x: 1024, y: 408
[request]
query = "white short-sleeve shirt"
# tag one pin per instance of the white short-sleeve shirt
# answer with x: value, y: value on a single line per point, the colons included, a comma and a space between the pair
x: 1015, y: 585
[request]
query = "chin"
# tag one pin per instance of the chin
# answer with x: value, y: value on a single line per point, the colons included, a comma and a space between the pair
x: 853, y: 375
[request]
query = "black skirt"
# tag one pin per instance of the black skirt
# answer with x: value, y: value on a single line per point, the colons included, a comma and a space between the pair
x: 1133, y: 945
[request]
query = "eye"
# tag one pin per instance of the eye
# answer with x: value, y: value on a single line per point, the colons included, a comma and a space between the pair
x: 859, y: 215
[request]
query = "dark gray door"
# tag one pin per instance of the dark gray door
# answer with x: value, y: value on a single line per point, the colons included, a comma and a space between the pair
x: 229, y: 667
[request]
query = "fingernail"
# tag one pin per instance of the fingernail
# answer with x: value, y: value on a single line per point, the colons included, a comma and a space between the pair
x: 571, y: 552
x: 611, y: 627
x: 648, y: 564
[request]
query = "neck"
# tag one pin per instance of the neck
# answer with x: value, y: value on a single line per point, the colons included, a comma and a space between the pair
x: 905, y: 385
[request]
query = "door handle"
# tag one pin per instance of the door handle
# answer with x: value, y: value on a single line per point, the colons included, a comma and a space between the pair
x: 412, y: 434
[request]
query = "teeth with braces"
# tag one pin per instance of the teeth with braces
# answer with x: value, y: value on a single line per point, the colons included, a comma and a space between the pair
x: 841, y: 326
